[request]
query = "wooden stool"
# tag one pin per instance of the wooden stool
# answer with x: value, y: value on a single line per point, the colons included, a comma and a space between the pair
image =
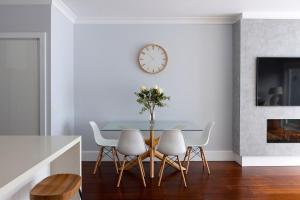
x: 57, y: 187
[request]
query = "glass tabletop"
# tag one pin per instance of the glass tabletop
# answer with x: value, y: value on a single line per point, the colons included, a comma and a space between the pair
x: 147, y: 126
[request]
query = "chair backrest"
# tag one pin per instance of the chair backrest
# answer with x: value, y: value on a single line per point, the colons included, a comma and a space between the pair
x: 131, y: 143
x: 97, y: 134
x: 206, y: 134
x: 171, y: 143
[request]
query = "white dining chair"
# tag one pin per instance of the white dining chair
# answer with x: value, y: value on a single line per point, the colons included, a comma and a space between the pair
x: 196, y: 143
x: 107, y: 146
x: 171, y: 143
x: 131, y: 143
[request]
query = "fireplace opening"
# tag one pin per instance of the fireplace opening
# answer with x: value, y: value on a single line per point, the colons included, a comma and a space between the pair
x: 283, y: 130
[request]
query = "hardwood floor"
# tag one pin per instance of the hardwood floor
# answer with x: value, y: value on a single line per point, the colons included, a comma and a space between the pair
x: 227, y: 181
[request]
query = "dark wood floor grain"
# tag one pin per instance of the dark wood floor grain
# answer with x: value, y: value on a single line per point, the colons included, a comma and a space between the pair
x: 227, y: 181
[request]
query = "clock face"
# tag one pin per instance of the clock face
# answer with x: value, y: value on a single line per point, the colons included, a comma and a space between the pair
x: 153, y: 58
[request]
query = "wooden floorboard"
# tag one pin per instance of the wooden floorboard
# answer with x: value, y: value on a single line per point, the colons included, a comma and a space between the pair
x: 227, y: 181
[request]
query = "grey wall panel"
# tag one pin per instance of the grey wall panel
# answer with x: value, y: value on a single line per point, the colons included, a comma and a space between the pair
x: 236, y: 86
x: 264, y: 38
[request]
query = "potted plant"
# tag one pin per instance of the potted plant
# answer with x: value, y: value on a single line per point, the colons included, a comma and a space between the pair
x: 150, y: 98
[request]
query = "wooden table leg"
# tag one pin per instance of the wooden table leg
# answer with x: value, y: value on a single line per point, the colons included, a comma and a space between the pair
x: 152, y: 153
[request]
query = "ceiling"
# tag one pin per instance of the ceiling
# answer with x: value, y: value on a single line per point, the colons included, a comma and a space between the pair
x: 169, y: 11
x: 176, y: 8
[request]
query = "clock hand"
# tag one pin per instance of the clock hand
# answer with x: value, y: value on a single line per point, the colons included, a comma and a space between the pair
x: 150, y: 56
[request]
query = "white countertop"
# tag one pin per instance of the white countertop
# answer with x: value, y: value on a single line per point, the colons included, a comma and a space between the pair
x: 23, y: 154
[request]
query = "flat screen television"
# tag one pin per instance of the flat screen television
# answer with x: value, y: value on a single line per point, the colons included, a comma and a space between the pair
x: 278, y: 81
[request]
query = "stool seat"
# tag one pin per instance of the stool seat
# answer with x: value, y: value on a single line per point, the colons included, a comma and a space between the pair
x: 56, y: 187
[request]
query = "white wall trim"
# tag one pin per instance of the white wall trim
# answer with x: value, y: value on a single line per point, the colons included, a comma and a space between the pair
x: 25, y: 2
x: 270, y: 161
x: 159, y: 20
x: 44, y: 104
x: 244, y: 161
x: 65, y: 10
x: 271, y: 15
x: 210, y: 155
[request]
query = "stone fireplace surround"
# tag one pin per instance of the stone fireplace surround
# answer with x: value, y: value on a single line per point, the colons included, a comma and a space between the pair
x: 254, y: 38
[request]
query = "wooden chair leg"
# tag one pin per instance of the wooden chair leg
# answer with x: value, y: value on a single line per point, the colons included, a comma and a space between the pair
x: 99, y: 158
x: 113, y: 151
x: 203, y: 160
x: 188, y: 159
x: 182, y: 173
x: 121, y: 173
x: 160, y: 167
x: 185, y: 155
x: 203, y: 164
x: 118, y: 158
x: 162, y: 170
x: 141, y: 170
x: 206, y: 163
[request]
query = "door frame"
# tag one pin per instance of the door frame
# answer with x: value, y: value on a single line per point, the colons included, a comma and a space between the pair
x: 43, y: 80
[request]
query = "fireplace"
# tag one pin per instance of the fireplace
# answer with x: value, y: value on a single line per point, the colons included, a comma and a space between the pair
x: 283, y: 130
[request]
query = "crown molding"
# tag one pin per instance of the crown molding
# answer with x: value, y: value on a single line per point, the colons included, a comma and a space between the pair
x: 159, y: 20
x: 25, y: 2
x: 270, y: 15
x: 65, y: 10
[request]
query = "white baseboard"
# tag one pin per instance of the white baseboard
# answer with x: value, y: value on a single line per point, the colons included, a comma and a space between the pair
x: 270, y: 161
x: 210, y: 156
x: 244, y: 161
x: 238, y: 159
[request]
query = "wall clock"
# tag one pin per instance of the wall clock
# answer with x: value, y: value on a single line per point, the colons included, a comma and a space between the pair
x: 153, y: 58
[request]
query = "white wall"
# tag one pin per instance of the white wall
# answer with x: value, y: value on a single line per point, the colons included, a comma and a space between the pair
x: 62, y: 65
x: 198, y: 76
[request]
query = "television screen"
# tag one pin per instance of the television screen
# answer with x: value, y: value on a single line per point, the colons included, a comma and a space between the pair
x: 278, y: 81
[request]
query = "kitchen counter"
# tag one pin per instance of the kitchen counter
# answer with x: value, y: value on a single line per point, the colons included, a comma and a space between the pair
x: 25, y: 160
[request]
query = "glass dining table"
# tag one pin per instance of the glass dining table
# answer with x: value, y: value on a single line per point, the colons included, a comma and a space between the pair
x: 152, y: 140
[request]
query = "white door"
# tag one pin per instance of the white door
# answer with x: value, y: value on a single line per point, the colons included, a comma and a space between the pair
x: 19, y: 87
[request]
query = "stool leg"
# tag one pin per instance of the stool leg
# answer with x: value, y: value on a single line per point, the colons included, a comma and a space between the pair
x: 80, y: 194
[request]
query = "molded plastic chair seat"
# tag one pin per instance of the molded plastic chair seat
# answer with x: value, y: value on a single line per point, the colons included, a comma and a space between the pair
x: 110, y: 142
x: 131, y: 143
x: 194, y: 140
x: 57, y: 187
x: 172, y: 143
